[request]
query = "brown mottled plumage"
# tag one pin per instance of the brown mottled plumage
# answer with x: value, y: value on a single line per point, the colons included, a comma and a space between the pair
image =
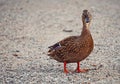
x: 74, y: 48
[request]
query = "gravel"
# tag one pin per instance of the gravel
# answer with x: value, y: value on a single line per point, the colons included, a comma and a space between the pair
x: 28, y: 27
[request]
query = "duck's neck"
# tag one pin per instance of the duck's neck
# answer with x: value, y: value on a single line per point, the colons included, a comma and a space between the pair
x: 85, y: 29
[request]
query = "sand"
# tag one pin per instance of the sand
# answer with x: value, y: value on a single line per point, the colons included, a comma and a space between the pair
x: 28, y: 27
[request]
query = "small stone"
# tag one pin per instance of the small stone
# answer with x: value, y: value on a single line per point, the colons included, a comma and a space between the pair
x: 94, y: 65
x: 67, y: 30
x: 100, y: 66
x: 17, y: 51
x: 15, y: 55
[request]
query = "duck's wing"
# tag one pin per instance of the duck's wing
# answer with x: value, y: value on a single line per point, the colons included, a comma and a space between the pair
x: 64, y: 49
x: 62, y: 43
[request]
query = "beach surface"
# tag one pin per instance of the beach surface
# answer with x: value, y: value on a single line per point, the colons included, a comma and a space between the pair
x: 28, y: 27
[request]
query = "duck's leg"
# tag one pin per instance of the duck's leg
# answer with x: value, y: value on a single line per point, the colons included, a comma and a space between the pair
x: 65, y: 70
x: 78, y: 70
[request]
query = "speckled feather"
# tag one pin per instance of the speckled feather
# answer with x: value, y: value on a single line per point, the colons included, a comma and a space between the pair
x: 73, y: 48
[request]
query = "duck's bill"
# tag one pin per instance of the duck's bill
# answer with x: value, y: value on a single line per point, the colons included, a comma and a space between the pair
x: 87, y: 20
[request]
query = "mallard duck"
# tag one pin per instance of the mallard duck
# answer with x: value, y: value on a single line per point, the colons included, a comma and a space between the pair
x: 74, y: 49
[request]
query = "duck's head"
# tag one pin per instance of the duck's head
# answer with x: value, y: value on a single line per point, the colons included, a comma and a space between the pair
x: 86, y: 17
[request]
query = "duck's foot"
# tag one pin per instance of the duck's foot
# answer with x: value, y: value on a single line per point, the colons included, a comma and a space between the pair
x: 78, y: 70
x: 65, y: 69
x: 81, y: 70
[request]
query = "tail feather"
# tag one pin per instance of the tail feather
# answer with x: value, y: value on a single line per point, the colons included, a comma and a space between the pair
x: 53, y: 48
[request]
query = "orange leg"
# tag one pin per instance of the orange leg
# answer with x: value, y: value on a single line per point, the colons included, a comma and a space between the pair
x: 78, y: 70
x: 65, y: 70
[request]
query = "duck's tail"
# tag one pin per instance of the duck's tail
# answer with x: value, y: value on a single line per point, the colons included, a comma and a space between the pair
x: 53, y: 48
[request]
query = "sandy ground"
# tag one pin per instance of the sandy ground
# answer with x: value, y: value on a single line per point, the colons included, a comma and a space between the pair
x: 28, y: 27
